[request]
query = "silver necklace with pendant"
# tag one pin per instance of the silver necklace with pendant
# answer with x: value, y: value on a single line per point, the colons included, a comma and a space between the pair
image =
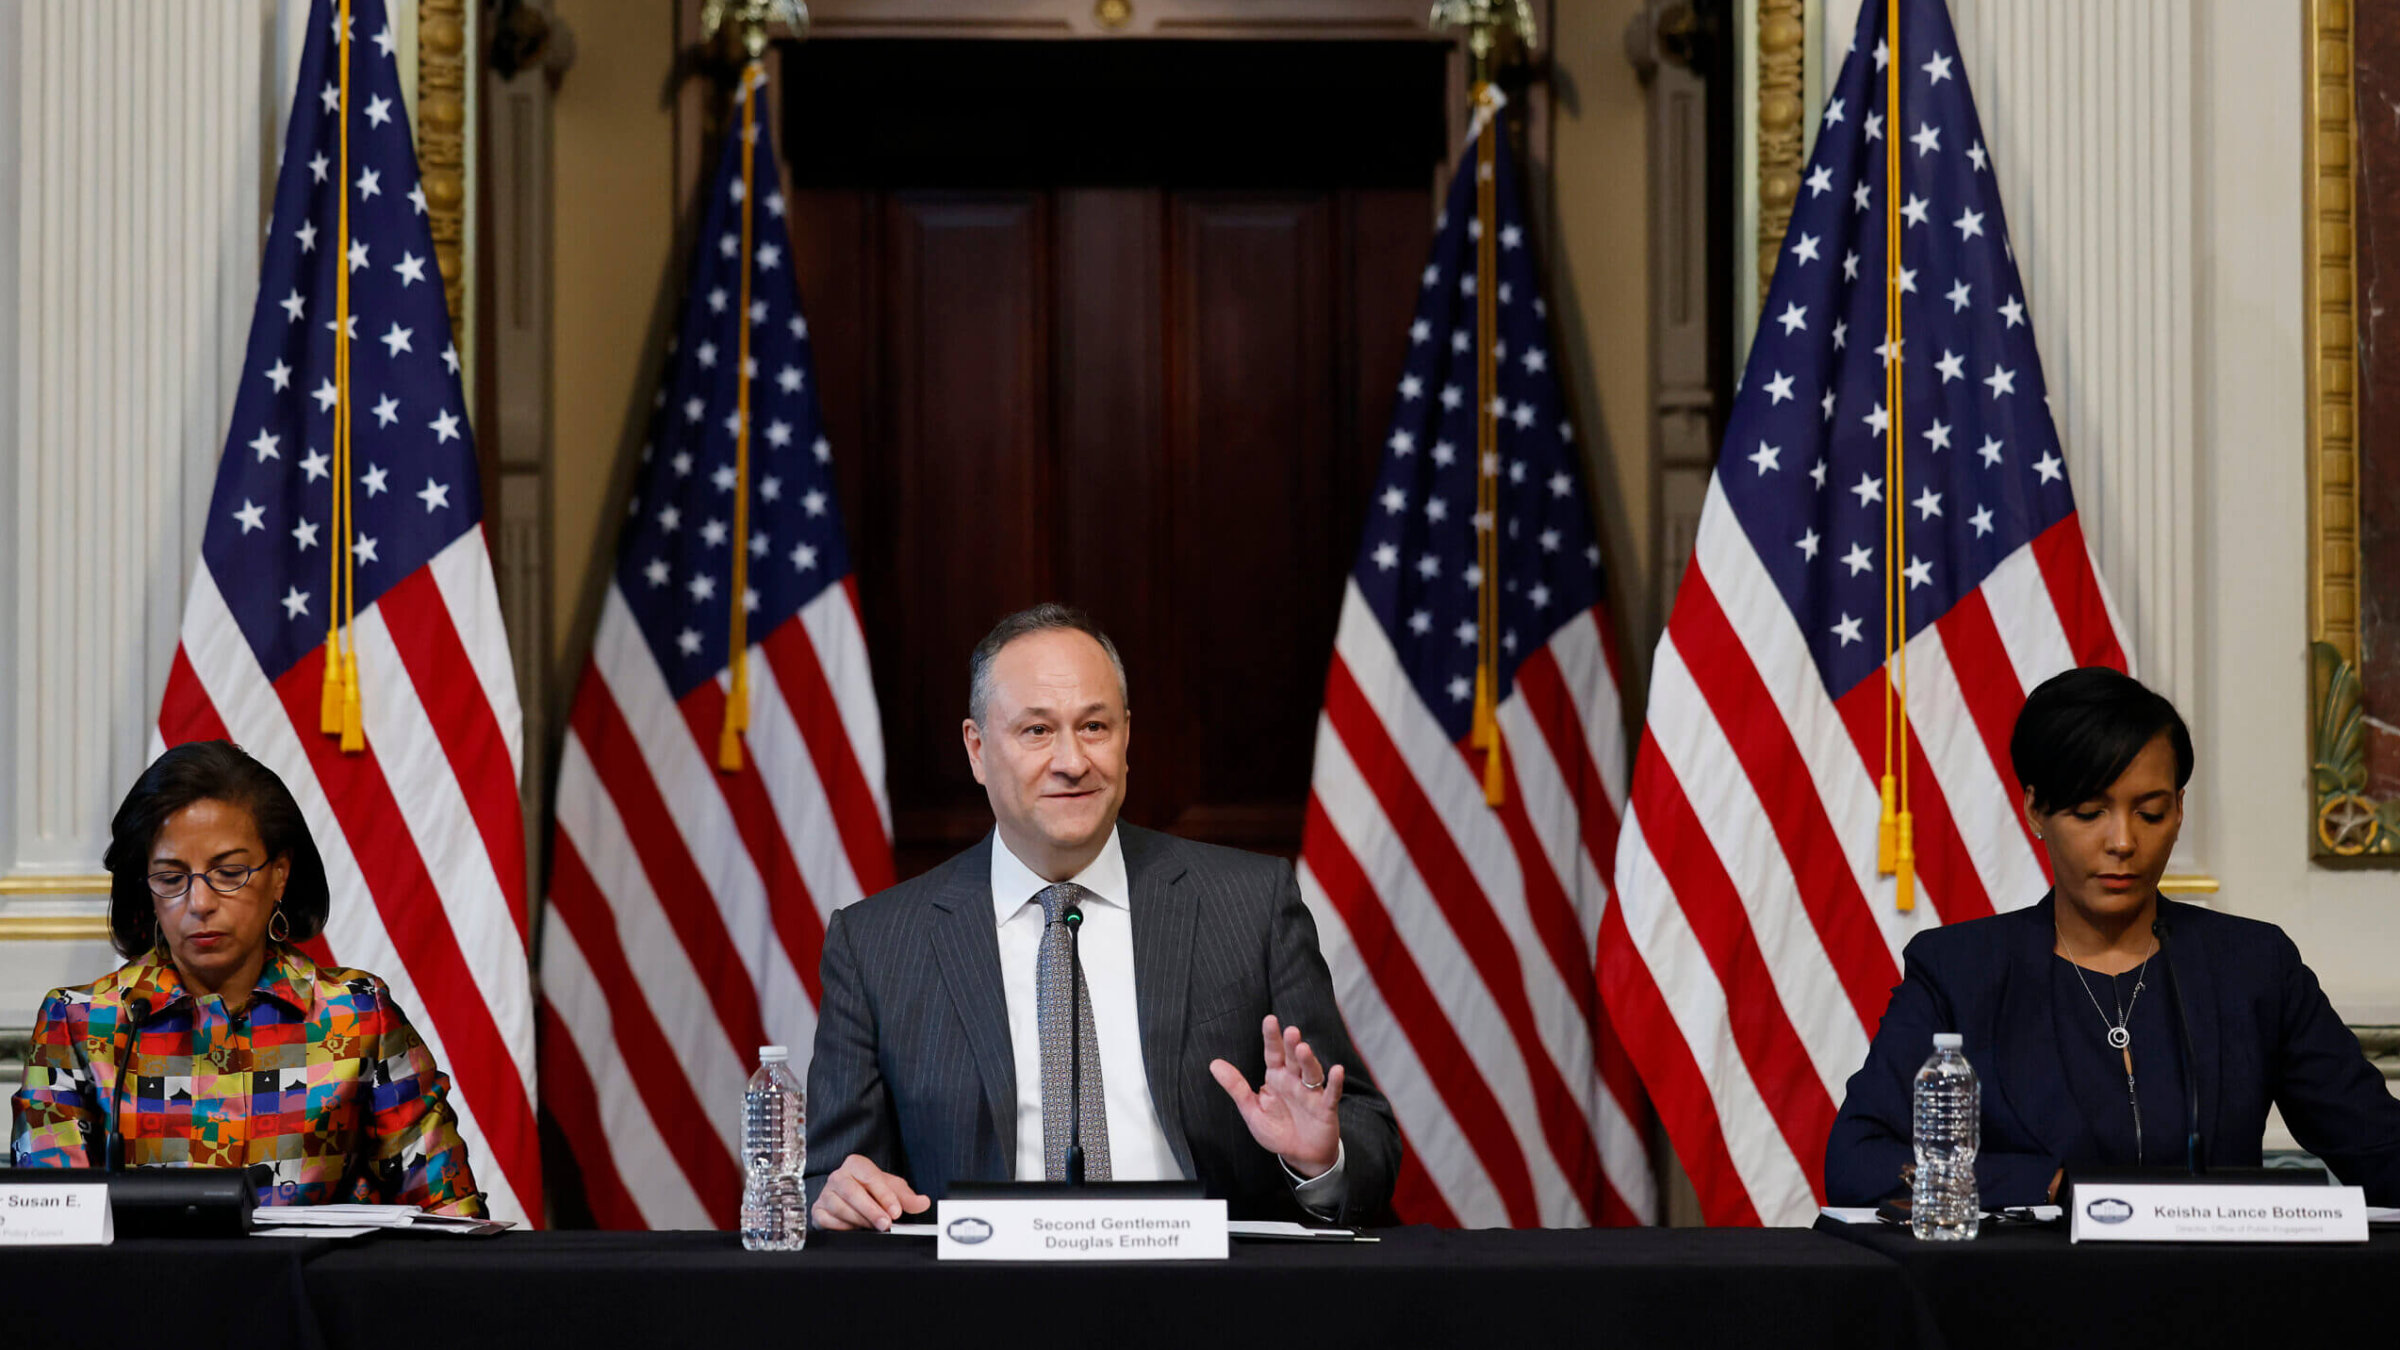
x: 2120, y: 1038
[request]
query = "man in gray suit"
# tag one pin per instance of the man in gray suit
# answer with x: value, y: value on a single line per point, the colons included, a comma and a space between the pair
x: 953, y: 1036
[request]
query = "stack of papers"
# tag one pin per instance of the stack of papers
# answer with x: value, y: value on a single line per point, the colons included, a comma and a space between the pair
x: 2029, y: 1213
x: 1857, y: 1214
x: 348, y: 1221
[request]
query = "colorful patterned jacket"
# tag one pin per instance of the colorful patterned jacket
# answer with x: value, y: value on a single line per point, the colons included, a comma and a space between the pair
x: 319, y: 1086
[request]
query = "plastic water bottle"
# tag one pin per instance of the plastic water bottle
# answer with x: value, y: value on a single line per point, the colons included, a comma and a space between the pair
x: 774, y: 1156
x: 1949, y: 1130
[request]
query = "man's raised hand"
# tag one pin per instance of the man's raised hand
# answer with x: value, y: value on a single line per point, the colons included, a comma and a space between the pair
x: 1295, y: 1113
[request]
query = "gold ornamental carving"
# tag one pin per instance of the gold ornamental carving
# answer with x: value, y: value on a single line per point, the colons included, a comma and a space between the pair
x: 745, y: 23
x: 1483, y: 21
x: 1781, y: 50
x: 442, y: 143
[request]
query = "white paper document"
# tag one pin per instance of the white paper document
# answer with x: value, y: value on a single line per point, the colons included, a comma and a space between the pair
x: 335, y: 1216
x: 2037, y: 1213
x: 1273, y: 1229
x: 1288, y: 1232
x: 312, y: 1230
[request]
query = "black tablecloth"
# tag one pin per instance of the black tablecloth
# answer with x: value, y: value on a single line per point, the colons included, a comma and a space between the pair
x: 1418, y: 1287
x: 1844, y: 1286
x: 235, y: 1293
x: 2021, y: 1285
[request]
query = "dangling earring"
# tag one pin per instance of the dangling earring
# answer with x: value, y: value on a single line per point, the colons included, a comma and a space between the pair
x: 276, y: 919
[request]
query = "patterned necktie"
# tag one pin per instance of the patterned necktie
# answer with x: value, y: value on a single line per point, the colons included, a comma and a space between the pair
x: 1055, y: 991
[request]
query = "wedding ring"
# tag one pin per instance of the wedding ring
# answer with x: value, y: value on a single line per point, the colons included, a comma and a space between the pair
x: 1313, y: 1087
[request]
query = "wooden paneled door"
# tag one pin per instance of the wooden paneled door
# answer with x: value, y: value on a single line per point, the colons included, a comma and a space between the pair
x: 1149, y: 381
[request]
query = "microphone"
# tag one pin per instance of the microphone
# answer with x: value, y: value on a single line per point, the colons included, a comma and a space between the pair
x: 1073, y: 919
x: 112, y: 1153
x: 2195, y: 1150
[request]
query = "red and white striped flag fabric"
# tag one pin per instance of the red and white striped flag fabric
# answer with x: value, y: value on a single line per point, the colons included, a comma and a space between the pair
x: 694, y: 869
x: 418, y: 820
x: 1457, y: 894
x: 1755, y: 937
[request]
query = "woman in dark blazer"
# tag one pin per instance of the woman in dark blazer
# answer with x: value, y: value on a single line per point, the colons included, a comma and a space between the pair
x: 2075, y: 1011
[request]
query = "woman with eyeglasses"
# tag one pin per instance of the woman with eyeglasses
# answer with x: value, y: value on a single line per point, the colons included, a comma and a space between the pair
x: 220, y: 1043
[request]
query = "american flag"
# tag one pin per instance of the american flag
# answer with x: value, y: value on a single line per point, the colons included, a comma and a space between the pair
x: 1754, y: 942
x: 687, y: 902
x: 1460, y: 933
x: 421, y: 832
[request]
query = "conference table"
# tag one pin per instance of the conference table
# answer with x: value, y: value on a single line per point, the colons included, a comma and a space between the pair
x: 1847, y: 1286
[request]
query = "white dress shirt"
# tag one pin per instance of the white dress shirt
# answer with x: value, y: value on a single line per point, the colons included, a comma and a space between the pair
x: 1137, y: 1145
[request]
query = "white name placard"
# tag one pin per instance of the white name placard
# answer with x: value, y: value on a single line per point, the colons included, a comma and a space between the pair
x: 1061, y: 1228
x: 2199, y: 1212
x: 68, y: 1214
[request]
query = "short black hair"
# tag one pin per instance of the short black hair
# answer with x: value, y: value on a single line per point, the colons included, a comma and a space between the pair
x: 2080, y: 729
x: 1047, y: 617
x: 208, y: 771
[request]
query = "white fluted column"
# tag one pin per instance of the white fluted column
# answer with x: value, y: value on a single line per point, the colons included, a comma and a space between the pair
x: 2088, y: 112
x: 137, y: 155
x: 143, y: 141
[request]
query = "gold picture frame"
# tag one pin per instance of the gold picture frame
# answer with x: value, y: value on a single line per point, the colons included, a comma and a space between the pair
x: 443, y: 28
x: 2345, y: 822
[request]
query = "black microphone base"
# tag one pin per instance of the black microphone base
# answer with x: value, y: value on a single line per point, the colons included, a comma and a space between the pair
x: 1075, y: 1164
x: 162, y: 1201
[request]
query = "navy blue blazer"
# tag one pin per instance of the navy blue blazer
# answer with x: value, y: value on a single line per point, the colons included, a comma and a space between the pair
x: 2262, y: 1033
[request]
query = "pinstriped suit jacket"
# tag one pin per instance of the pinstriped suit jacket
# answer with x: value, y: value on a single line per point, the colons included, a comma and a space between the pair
x: 913, y: 1069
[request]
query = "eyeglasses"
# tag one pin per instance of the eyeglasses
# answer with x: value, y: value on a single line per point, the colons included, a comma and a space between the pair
x: 223, y: 880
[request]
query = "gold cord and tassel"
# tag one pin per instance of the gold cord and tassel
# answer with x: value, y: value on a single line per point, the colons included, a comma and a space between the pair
x: 1895, y: 843
x: 340, y: 712
x: 1485, y: 733
x: 737, y: 699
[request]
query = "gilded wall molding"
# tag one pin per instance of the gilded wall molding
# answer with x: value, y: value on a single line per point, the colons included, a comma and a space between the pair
x: 54, y: 928
x: 1782, y: 47
x: 2346, y: 823
x: 95, y: 883
x: 50, y: 924
x: 442, y: 27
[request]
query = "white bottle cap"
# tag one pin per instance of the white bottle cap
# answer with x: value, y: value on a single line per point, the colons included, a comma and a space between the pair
x: 1948, y: 1040
x: 773, y: 1054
